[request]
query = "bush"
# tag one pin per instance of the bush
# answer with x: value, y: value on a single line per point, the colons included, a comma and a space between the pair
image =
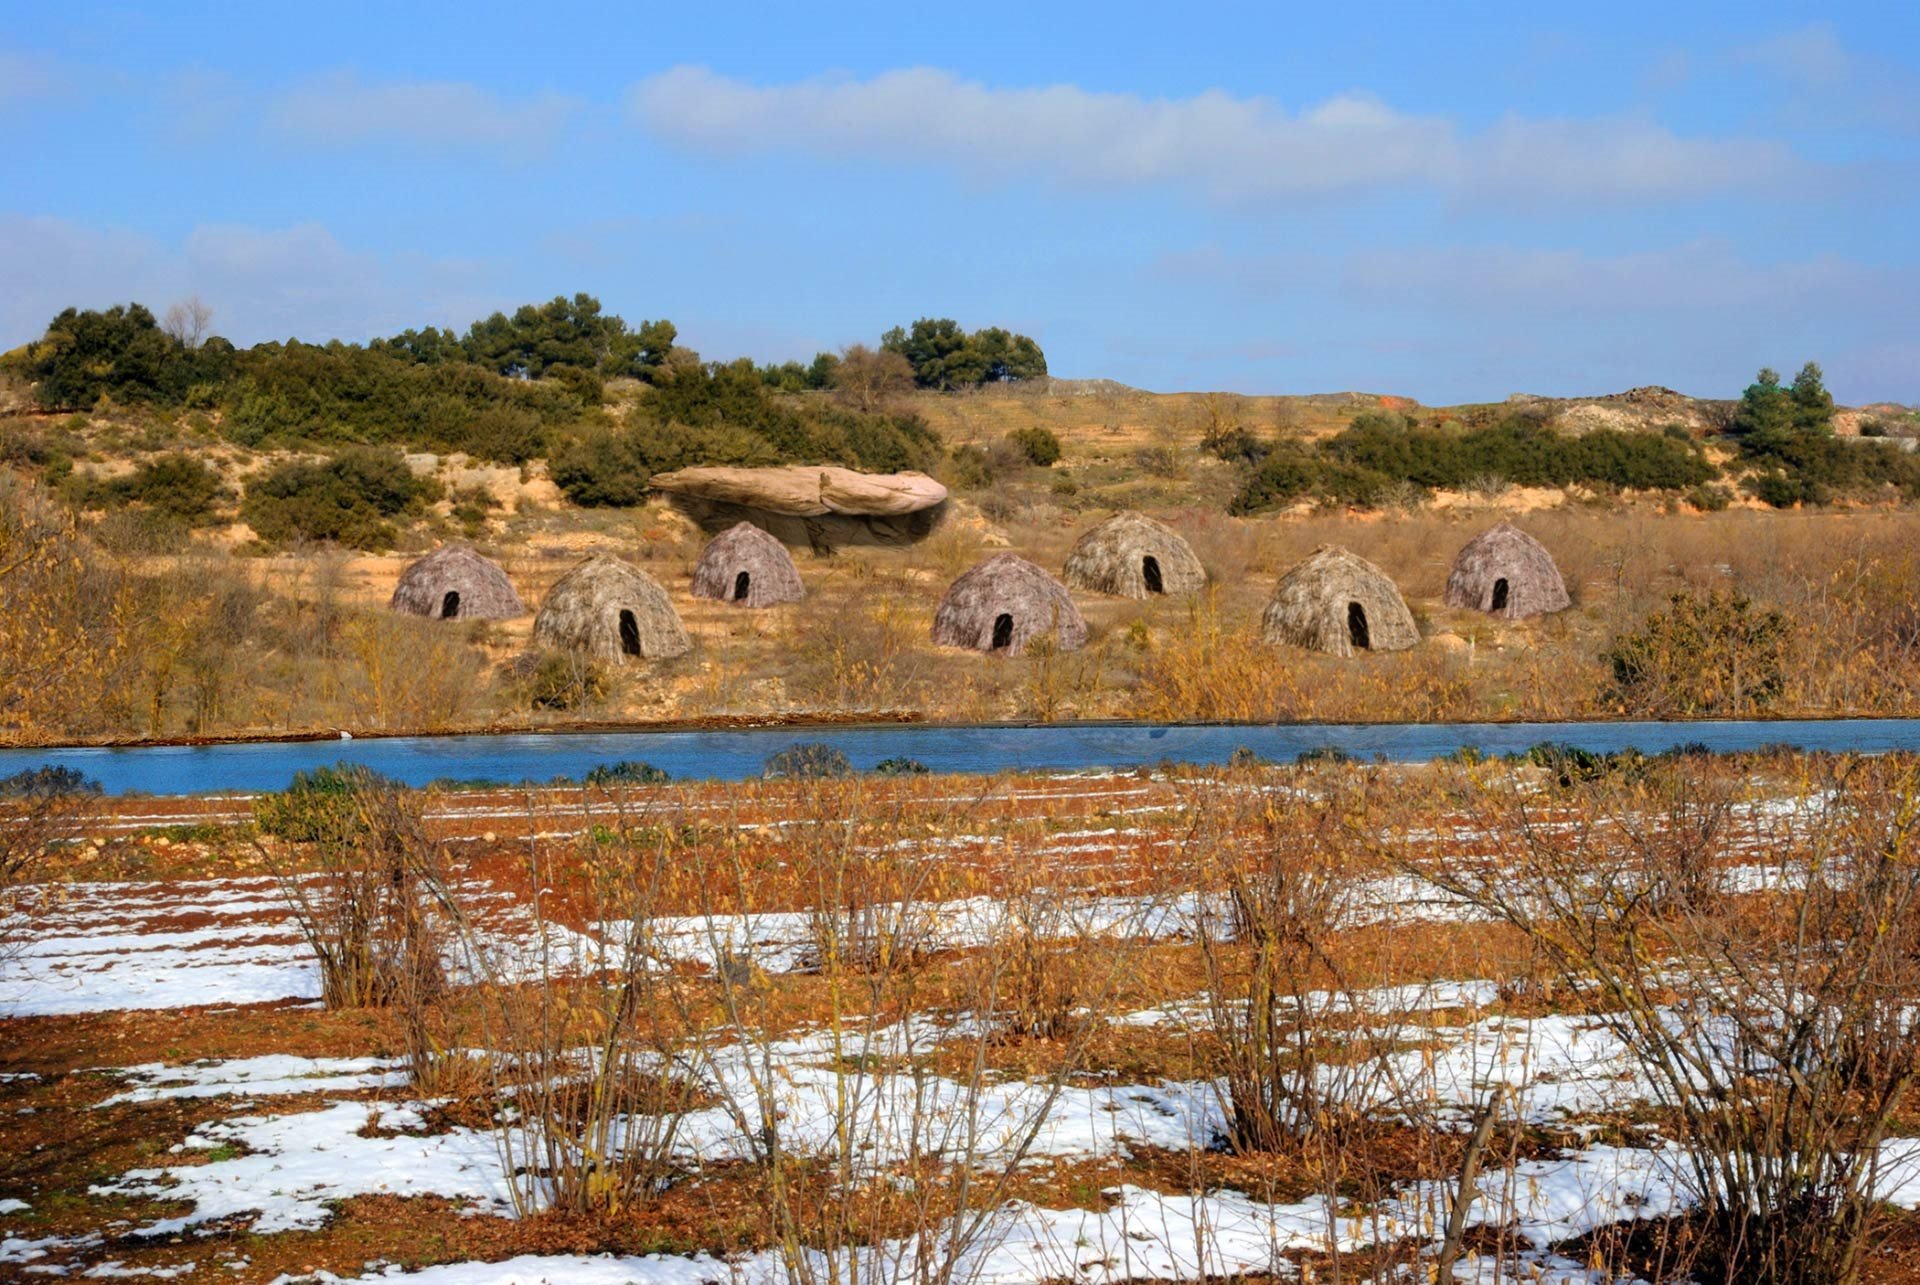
x: 900, y: 767
x: 318, y: 807
x: 601, y: 469
x: 970, y: 468
x: 627, y: 772
x: 176, y: 485
x: 50, y: 780
x: 1712, y: 498
x: 1570, y: 765
x: 1040, y: 445
x: 1711, y: 655
x: 809, y: 760
x: 347, y: 499
x: 564, y: 680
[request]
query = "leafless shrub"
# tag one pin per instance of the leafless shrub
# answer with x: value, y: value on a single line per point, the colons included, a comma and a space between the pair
x: 590, y: 1063
x: 1278, y: 1001
x: 362, y: 881
x: 1777, y: 1029
x: 922, y: 1139
x: 39, y: 810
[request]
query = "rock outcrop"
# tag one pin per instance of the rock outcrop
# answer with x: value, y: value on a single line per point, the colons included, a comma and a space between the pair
x: 816, y: 505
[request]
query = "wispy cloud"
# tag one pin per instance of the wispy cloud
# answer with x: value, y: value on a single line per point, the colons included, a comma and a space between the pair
x: 1829, y: 84
x: 263, y: 283
x: 342, y: 110
x: 1226, y: 147
x: 1704, y: 275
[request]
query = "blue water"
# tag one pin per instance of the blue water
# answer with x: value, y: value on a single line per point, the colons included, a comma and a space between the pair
x: 736, y: 755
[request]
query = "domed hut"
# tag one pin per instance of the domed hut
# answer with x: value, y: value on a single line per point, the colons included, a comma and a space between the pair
x: 1507, y: 573
x: 1336, y: 601
x: 1132, y: 556
x: 1003, y: 603
x: 611, y: 610
x: 745, y: 566
x: 454, y: 582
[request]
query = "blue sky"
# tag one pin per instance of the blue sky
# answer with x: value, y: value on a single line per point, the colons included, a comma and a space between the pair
x: 1448, y: 202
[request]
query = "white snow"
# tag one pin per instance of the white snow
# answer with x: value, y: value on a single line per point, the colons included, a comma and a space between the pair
x: 258, y: 1077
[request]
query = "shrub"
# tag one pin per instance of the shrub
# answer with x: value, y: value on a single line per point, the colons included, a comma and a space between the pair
x: 601, y: 469
x: 900, y: 767
x: 564, y: 680
x: 176, y: 485
x: 1158, y: 461
x: 1711, y: 655
x: 809, y: 760
x: 507, y: 434
x: 1712, y: 498
x: 50, y: 780
x: 318, y: 806
x: 1040, y: 445
x: 627, y: 772
x: 347, y: 499
x: 970, y: 468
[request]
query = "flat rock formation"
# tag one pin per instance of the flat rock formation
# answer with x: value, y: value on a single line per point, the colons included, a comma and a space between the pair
x: 816, y: 505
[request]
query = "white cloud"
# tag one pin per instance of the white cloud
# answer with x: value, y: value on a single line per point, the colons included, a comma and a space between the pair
x: 1230, y: 148
x: 263, y: 283
x: 341, y: 110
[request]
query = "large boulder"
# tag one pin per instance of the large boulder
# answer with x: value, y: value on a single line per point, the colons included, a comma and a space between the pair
x: 815, y: 505
x: 807, y: 491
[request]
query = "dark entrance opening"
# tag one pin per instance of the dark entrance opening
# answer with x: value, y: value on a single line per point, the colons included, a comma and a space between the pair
x: 629, y: 634
x: 1357, y: 627
x: 450, y: 605
x: 1002, y: 632
x: 741, y: 583
x: 1499, y: 595
x: 1150, y: 572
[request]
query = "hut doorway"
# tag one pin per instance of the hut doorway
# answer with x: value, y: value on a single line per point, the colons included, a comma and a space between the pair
x: 629, y: 634
x: 1499, y: 595
x: 741, y: 583
x: 1357, y: 633
x: 1002, y: 632
x: 450, y: 605
x: 1150, y: 572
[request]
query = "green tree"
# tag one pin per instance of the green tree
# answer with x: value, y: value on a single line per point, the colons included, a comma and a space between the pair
x: 121, y: 352
x: 944, y: 356
x: 1812, y: 403
x: 568, y: 332
x: 1764, y: 420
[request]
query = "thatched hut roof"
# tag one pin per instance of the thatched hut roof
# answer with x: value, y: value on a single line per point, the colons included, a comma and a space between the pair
x: 455, y: 582
x: 1003, y: 603
x: 1336, y: 601
x: 611, y: 610
x: 1508, y: 573
x: 1133, y: 556
x: 745, y: 566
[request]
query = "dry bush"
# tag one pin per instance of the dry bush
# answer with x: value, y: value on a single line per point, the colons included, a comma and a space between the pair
x: 868, y: 656
x: 40, y: 809
x: 409, y: 673
x: 1213, y: 669
x: 1777, y: 1028
x: 1294, y: 1079
x: 65, y: 645
x: 913, y: 1151
x: 363, y: 883
x: 590, y: 1060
